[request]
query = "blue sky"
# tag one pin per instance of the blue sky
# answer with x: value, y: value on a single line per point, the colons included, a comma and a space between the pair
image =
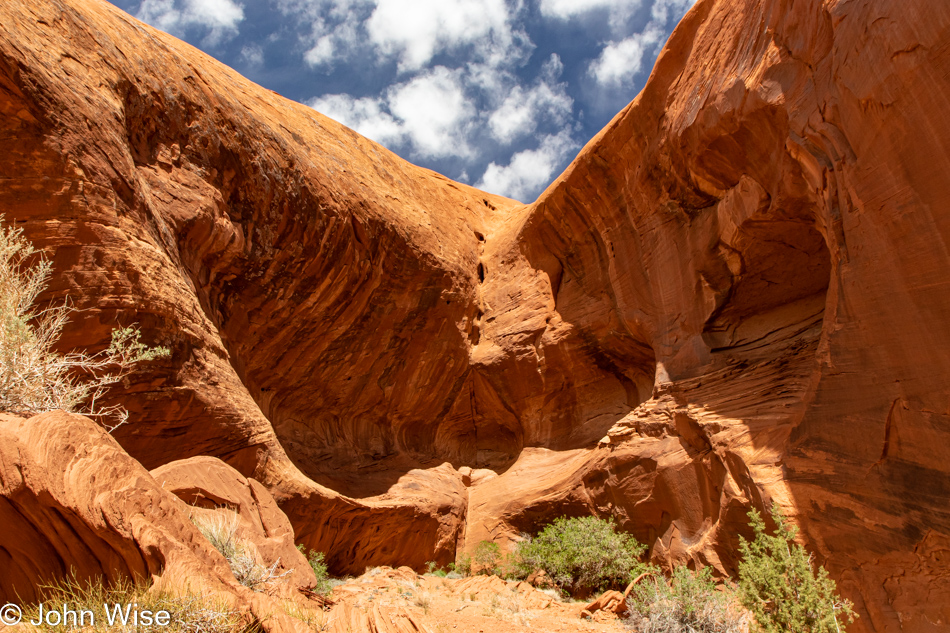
x: 500, y: 94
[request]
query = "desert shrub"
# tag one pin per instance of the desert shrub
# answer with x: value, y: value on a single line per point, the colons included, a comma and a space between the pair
x: 423, y: 601
x: 319, y: 567
x: 486, y: 557
x: 779, y: 585
x: 463, y: 565
x: 188, y: 613
x: 689, y: 602
x: 35, y: 378
x: 220, y: 529
x: 581, y: 554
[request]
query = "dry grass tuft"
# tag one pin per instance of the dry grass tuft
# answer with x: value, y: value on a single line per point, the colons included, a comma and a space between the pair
x: 689, y: 602
x: 220, y: 528
x: 188, y: 613
x: 315, y: 619
x: 424, y: 602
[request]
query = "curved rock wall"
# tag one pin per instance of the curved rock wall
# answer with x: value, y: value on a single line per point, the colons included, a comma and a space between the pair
x: 73, y: 503
x: 736, y: 295
x: 770, y: 214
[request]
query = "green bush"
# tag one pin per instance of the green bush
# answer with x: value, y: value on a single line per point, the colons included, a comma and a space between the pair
x: 779, y: 585
x: 688, y: 603
x: 319, y: 567
x: 463, y: 565
x: 433, y: 569
x: 486, y: 557
x: 581, y: 555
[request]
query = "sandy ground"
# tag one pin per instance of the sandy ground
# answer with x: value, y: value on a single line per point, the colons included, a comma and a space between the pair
x: 400, y: 598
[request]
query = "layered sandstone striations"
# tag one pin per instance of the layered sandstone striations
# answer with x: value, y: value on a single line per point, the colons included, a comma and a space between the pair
x: 737, y: 294
x: 74, y: 504
x: 298, y: 273
x: 769, y: 216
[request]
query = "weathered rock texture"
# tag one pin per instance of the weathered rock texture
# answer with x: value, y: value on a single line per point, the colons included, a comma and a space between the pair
x: 216, y: 492
x: 73, y: 503
x: 304, y: 278
x: 770, y: 216
x: 737, y: 294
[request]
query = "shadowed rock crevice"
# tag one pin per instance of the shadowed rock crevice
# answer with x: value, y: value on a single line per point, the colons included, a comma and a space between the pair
x: 775, y: 288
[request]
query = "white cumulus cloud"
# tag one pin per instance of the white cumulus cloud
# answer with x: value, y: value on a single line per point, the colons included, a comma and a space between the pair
x: 435, y: 112
x: 566, y: 9
x: 620, y: 61
x: 366, y: 115
x: 414, y: 31
x: 322, y: 52
x: 430, y: 113
x: 253, y: 55
x: 220, y: 17
x: 524, y: 108
x: 529, y: 170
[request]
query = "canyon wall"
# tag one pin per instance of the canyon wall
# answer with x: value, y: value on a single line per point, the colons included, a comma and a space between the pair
x: 736, y: 295
x: 770, y: 215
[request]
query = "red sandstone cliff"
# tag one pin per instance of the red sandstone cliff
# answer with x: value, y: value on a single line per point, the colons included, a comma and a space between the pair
x: 738, y: 293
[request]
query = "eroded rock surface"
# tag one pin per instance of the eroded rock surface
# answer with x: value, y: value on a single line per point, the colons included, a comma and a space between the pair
x: 74, y: 504
x: 215, y: 492
x: 736, y: 295
x: 769, y: 214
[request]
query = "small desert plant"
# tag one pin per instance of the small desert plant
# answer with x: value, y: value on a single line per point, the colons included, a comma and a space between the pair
x: 35, y: 378
x: 319, y: 567
x: 314, y: 619
x: 95, y: 602
x: 486, y: 557
x: 581, y: 555
x: 463, y: 565
x: 221, y: 531
x: 688, y: 603
x: 423, y: 601
x: 433, y: 568
x: 779, y: 585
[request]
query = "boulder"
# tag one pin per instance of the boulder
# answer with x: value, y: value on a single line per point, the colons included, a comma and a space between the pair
x: 74, y: 503
x: 210, y: 487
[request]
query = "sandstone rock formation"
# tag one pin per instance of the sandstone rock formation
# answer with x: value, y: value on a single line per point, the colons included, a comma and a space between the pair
x: 73, y: 500
x: 737, y: 293
x: 162, y: 208
x: 74, y: 505
x: 213, y: 489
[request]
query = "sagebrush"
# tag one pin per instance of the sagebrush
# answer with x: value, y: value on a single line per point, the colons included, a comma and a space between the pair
x: 486, y: 557
x: 689, y: 602
x: 33, y: 376
x: 779, y: 585
x: 581, y: 555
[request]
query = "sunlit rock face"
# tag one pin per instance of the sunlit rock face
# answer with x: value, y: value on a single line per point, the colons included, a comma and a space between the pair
x: 736, y: 295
